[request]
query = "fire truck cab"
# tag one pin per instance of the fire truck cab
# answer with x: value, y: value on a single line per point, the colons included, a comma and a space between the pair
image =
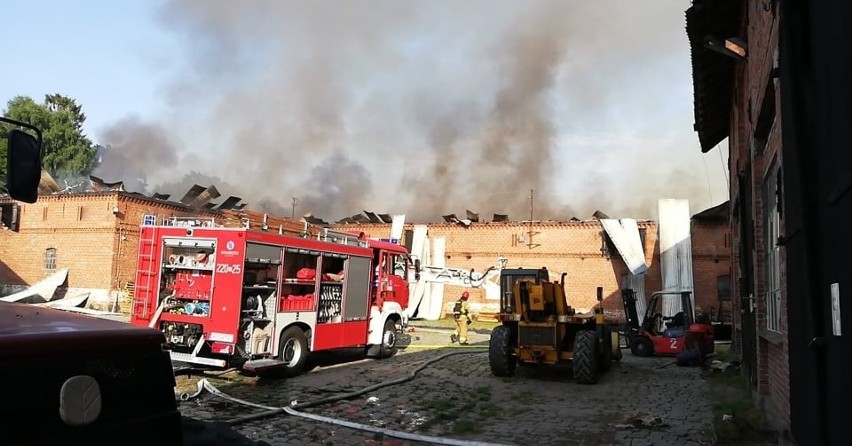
x: 262, y: 300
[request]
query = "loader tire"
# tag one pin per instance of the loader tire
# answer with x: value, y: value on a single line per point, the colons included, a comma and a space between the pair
x: 616, y: 346
x: 501, y: 355
x: 585, y: 362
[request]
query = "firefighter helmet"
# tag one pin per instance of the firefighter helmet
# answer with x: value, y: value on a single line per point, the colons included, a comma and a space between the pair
x: 465, y: 295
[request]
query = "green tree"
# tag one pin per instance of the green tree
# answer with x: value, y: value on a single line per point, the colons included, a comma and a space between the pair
x: 68, y: 153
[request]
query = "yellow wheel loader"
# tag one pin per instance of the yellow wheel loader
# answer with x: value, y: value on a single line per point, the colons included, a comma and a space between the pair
x: 539, y: 327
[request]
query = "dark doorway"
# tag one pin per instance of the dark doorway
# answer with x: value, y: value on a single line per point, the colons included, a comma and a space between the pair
x: 746, y: 278
x: 817, y: 158
x: 722, y: 316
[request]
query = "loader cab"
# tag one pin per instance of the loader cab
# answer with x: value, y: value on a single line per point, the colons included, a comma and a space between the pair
x: 508, y: 279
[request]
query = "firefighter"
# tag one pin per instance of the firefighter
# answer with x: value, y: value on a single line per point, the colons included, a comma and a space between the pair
x: 461, y: 312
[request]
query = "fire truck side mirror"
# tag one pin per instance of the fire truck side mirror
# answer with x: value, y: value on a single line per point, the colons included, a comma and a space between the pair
x: 23, y: 162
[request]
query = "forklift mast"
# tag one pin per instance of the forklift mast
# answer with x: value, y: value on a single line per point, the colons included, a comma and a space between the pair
x: 686, y: 305
x: 629, y: 297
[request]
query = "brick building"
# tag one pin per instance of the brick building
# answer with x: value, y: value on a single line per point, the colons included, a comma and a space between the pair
x: 582, y: 250
x: 779, y: 93
x: 737, y: 97
x: 96, y: 236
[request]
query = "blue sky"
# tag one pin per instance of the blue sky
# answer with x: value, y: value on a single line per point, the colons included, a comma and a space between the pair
x: 103, y: 53
x: 395, y: 101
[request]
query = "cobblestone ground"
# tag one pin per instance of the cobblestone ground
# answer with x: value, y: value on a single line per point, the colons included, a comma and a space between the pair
x: 641, y: 401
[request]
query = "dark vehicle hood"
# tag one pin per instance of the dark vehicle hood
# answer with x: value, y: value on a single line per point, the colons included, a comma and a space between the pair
x: 27, y: 330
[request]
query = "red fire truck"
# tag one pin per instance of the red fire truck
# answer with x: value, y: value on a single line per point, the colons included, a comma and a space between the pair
x: 263, y: 300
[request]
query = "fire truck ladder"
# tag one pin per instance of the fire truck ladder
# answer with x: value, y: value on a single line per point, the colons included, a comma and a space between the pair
x: 147, y: 272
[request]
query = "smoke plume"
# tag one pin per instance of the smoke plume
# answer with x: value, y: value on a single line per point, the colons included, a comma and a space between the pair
x: 135, y: 152
x: 427, y: 108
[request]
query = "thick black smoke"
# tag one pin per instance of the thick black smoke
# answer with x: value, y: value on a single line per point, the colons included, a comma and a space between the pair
x: 432, y: 107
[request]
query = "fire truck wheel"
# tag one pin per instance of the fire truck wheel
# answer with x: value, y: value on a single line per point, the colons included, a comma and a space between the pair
x: 389, y: 339
x: 389, y: 345
x: 293, y: 351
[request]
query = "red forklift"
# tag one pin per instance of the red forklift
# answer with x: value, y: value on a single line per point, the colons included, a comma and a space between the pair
x: 666, y: 336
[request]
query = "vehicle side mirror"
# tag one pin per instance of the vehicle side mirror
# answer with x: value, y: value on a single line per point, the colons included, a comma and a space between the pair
x: 23, y: 167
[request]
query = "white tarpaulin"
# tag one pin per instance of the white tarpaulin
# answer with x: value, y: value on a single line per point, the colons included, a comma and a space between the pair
x: 624, y: 234
x: 419, y: 247
x: 435, y: 297
x: 675, y: 252
x: 397, y: 225
x: 40, y: 292
x: 419, y: 242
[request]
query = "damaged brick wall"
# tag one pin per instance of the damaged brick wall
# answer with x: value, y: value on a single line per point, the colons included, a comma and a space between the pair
x: 81, y: 230
x: 95, y: 236
x: 573, y: 248
x: 100, y: 247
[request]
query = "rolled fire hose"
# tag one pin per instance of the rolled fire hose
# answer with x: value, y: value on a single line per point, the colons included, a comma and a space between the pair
x: 203, y: 385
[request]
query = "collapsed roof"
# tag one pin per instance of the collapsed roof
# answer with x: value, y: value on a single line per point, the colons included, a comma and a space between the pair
x: 202, y: 198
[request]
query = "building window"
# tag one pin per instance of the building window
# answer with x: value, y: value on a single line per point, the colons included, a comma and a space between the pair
x: 723, y: 288
x: 772, y: 251
x: 723, y: 292
x: 765, y: 120
x: 10, y: 216
x: 50, y: 260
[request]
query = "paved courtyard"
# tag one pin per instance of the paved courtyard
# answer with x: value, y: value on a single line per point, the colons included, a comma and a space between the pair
x: 641, y: 401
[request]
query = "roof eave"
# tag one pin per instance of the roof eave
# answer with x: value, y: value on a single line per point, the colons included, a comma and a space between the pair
x: 712, y: 73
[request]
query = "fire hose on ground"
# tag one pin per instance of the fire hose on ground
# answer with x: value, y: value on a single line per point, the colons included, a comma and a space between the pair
x: 203, y: 385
